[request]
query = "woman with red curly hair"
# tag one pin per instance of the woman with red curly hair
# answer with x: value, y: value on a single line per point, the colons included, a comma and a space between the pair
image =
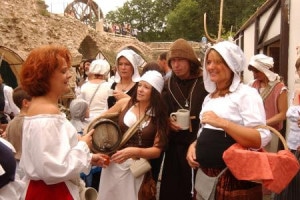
x: 52, y: 154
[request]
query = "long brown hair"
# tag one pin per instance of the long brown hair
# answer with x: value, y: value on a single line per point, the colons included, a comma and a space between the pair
x: 158, y: 111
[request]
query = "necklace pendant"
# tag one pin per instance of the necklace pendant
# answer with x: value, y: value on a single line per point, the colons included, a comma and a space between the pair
x: 140, y: 137
x: 186, y: 103
x: 140, y: 140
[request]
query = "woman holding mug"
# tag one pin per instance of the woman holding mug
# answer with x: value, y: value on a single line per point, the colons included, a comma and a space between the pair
x: 126, y: 77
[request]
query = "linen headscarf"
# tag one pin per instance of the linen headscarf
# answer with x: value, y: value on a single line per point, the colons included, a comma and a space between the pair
x: 136, y: 61
x: 263, y: 63
x: 99, y: 66
x: 78, y: 108
x: 154, y: 78
x: 235, y: 60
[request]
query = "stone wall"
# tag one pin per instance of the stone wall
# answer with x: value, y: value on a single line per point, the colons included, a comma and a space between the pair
x: 27, y: 24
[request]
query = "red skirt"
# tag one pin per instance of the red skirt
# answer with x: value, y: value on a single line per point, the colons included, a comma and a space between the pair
x: 39, y: 190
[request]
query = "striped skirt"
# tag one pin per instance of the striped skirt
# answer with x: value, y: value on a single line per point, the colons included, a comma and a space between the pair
x: 229, y: 188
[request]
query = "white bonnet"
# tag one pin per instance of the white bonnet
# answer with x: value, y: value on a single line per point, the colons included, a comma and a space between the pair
x: 78, y: 108
x: 99, y: 66
x: 234, y: 58
x: 263, y: 63
x: 136, y: 61
x: 154, y: 78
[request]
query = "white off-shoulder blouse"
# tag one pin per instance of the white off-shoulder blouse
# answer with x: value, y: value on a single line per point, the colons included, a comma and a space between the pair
x: 51, y: 151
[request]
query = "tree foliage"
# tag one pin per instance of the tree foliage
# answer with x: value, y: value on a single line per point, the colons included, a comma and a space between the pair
x: 181, y: 23
x: 166, y: 20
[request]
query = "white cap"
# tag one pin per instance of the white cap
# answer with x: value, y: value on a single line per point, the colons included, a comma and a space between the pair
x: 154, y: 78
x: 78, y: 108
x: 234, y: 58
x: 99, y: 66
x: 136, y: 61
x: 263, y: 63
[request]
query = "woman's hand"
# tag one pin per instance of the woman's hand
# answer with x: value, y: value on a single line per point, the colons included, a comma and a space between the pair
x: 120, y: 95
x: 210, y: 117
x: 87, y: 138
x: 100, y: 159
x: 124, y: 154
x: 191, y: 156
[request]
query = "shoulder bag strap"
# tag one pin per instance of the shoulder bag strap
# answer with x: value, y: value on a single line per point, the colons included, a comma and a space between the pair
x: 95, y: 93
x: 131, y: 131
x: 268, y: 90
x: 222, y: 172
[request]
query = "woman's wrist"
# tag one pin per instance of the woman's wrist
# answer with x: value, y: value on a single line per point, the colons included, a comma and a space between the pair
x: 225, y: 124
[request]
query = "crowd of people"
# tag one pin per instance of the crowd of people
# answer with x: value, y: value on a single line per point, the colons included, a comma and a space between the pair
x: 120, y: 29
x: 44, y: 155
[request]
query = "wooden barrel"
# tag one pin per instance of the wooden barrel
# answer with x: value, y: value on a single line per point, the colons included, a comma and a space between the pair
x: 106, y: 137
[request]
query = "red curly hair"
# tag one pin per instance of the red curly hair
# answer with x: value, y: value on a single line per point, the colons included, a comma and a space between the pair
x: 39, y: 67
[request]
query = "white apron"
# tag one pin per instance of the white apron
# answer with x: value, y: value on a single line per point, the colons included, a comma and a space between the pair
x: 118, y: 183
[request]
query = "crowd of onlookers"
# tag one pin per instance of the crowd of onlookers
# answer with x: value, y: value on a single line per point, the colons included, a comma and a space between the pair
x: 122, y: 29
x: 45, y: 155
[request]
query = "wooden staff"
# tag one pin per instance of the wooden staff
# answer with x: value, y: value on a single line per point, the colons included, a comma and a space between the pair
x: 220, y: 25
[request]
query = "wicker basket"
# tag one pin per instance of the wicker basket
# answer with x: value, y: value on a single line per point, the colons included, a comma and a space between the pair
x: 274, y: 139
x: 263, y: 166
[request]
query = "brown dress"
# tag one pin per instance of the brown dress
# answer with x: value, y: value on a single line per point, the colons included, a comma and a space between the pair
x: 148, y: 188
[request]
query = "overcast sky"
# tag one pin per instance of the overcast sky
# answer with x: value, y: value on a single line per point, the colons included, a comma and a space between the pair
x: 58, y: 6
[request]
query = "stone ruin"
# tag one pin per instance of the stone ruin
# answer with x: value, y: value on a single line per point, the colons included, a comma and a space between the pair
x: 25, y: 25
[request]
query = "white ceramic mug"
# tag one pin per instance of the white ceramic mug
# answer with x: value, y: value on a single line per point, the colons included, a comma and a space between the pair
x: 182, y: 118
x: 88, y: 193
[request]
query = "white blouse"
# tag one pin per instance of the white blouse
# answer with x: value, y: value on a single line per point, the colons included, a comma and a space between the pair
x: 293, y: 137
x: 51, y: 151
x: 10, y: 106
x: 243, y: 106
x: 130, y: 118
x: 99, y: 102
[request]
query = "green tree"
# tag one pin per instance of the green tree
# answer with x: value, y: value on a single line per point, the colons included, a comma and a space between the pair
x: 148, y: 16
x: 238, y: 11
x: 183, y: 24
x: 140, y: 15
x: 190, y: 25
x: 166, y: 20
